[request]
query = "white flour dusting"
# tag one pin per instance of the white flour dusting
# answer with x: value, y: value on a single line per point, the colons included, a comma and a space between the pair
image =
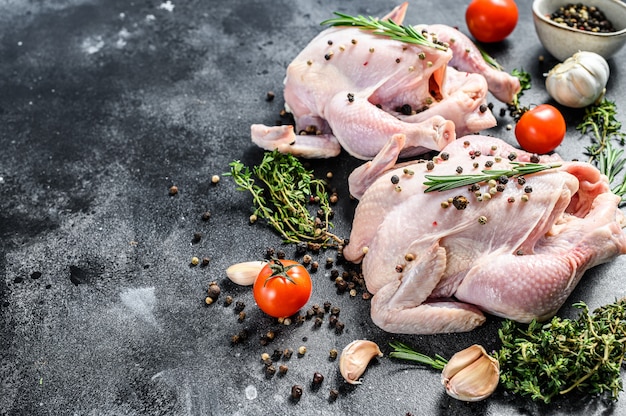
x: 141, y: 302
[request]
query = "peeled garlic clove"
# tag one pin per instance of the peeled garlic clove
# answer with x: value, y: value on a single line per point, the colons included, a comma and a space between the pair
x: 471, y: 374
x: 245, y: 273
x: 355, y: 357
x: 578, y: 81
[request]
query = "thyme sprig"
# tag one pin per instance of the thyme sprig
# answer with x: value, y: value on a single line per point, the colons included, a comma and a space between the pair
x: 447, y: 182
x: 387, y: 28
x: 546, y: 360
x: 600, y: 120
x: 283, y: 200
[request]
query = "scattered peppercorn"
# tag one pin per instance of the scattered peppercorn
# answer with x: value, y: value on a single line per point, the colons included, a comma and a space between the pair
x: 228, y: 300
x: 296, y: 392
x: 287, y: 353
x: 270, y: 96
x: 196, y: 238
x: 333, y: 394
x: 214, y: 290
x: 395, y: 179
x: 339, y: 326
x: 318, y: 378
x: 534, y: 158
x: 460, y: 202
x: 206, y: 216
x: 301, y: 350
x: 350, y: 97
x: 241, y: 316
x: 444, y: 156
x: 282, y: 369
x: 173, y: 190
x: 239, y: 306
x: 205, y: 262
x: 332, y: 354
x: 528, y: 189
x: 430, y: 165
x: 215, y: 179
x: 406, y: 109
x: 195, y: 261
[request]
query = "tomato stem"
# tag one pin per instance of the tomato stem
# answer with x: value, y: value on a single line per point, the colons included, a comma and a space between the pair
x: 280, y: 270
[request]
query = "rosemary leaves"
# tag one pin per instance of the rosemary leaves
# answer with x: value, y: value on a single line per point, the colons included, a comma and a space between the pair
x: 387, y: 28
x: 600, y: 120
x: 447, y: 182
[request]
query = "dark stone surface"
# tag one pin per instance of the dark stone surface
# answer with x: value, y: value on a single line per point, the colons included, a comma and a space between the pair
x: 106, y: 104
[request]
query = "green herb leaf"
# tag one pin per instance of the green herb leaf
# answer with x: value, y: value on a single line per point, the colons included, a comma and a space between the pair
x: 447, y: 182
x: 284, y: 199
x: 387, y: 28
x: 404, y: 352
x: 600, y: 121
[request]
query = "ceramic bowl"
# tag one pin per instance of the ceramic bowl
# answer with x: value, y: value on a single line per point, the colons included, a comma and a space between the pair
x: 563, y: 41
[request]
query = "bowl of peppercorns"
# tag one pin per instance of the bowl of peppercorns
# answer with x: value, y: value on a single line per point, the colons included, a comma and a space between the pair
x: 565, y: 28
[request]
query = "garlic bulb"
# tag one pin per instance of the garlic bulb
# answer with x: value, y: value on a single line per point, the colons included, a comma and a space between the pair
x: 579, y: 81
x: 355, y: 357
x: 471, y: 375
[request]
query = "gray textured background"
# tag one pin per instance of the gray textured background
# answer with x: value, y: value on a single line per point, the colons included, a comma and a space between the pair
x: 106, y: 104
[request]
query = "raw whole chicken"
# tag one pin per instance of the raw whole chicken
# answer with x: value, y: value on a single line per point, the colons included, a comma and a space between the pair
x: 513, y: 248
x: 355, y: 89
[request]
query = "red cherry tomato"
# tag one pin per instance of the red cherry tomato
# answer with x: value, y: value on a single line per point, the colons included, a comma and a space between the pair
x: 282, y: 288
x: 540, y: 129
x: 491, y: 20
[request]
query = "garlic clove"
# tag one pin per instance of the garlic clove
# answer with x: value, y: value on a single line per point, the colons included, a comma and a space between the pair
x: 245, y: 273
x: 471, y: 374
x: 355, y: 357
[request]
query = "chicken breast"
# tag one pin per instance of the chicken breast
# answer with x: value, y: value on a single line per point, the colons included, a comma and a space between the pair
x: 515, y: 248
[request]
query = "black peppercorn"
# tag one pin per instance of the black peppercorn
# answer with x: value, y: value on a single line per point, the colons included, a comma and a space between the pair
x: 296, y: 392
x: 318, y: 378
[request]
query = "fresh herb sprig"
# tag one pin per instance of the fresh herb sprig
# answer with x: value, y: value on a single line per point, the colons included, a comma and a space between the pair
x: 447, y: 182
x: 516, y: 109
x: 546, y: 360
x: 284, y: 199
x: 387, y: 28
x: 600, y: 120
x: 404, y: 352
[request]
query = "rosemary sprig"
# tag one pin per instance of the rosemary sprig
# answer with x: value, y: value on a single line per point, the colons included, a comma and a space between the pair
x: 600, y: 120
x: 283, y: 200
x: 546, y: 360
x: 404, y: 352
x: 387, y: 28
x: 447, y: 182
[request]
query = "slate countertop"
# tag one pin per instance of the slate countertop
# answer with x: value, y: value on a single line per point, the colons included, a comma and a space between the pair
x: 106, y: 104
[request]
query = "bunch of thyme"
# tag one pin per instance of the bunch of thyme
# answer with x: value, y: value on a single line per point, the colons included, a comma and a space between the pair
x: 600, y: 120
x: 283, y: 201
x: 546, y: 360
